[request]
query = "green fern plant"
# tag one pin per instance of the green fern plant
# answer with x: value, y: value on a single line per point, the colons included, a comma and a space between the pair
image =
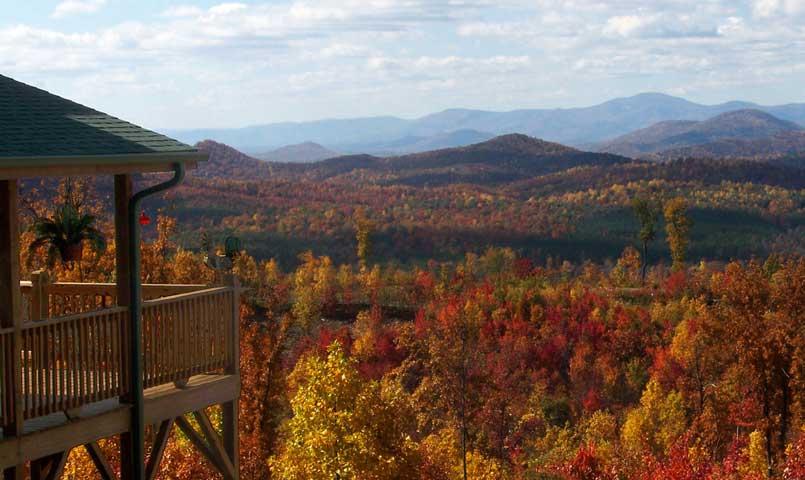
x: 64, y: 235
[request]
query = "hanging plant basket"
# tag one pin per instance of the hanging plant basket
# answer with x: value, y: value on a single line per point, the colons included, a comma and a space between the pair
x: 74, y: 253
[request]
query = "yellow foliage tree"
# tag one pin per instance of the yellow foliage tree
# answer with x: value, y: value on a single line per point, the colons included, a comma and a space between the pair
x: 677, y: 226
x: 188, y: 267
x: 313, y: 288
x: 363, y: 234
x: 627, y: 271
x: 441, y: 451
x: 154, y: 267
x: 601, y: 431
x: 555, y: 448
x: 756, y: 465
x: 245, y: 267
x: 344, y: 427
x: 656, y: 423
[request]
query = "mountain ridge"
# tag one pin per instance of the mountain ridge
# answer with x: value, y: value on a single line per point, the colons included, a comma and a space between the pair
x: 304, y: 152
x: 499, y: 160
x: 743, y: 125
x: 778, y: 146
x: 419, y: 144
x: 574, y: 126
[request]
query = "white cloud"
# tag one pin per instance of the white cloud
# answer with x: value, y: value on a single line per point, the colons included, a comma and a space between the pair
x: 439, y: 66
x: 182, y: 11
x: 625, y: 25
x: 74, y: 7
x: 304, y: 12
x: 227, y: 8
x: 343, y: 50
x: 768, y: 8
x: 491, y: 29
x: 765, y: 8
x: 731, y: 26
x: 317, y: 58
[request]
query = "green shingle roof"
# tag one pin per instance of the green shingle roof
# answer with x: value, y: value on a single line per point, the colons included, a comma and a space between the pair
x: 35, y: 123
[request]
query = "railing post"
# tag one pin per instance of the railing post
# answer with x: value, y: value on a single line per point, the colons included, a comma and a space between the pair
x: 39, y: 295
x: 230, y: 410
x: 233, y: 313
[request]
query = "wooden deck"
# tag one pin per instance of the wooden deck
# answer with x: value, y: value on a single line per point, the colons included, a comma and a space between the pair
x: 73, y: 347
x: 56, y: 432
x: 66, y: 368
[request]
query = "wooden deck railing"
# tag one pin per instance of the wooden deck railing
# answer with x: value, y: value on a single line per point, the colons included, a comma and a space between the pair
x: 67, y: 298
x: 7, y: 383
x: 71, y: 361
x: 185, y: 335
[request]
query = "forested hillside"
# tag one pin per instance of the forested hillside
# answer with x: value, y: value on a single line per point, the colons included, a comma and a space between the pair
x: 402, y: 240
x: 740, y: 133
x: 540, y: 198
x: 499, y: 365
x: 537, y: 313
x: 778, y: 146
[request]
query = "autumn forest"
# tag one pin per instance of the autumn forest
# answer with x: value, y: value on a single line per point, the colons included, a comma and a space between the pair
x: 596, y: 319
x: 402, y: 240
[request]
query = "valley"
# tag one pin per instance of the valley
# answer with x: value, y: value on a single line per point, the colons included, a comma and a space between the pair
x: 540, y: 198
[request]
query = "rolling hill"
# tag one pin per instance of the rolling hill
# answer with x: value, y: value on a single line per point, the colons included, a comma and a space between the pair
x: 502, y: 159
x: 513, y: 190
x: 457, y: 138
x: 229, y: 163
x: 778, y: 146
x: 674, y: 138
x: 299, y: 153
x: 510, y: 160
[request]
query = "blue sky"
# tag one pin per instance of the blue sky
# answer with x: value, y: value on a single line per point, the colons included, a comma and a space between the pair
x: 175, y: 64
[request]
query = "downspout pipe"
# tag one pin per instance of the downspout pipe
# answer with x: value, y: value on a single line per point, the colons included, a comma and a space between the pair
x: 137, y: 427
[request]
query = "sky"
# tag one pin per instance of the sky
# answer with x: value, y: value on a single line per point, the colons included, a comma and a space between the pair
x: 174, y: 64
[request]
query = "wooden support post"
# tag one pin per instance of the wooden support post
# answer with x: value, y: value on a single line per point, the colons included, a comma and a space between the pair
x: 99, y: 459
x: 39, y: 295
x: 230, y: 414
x: 122, y: 237
x: 57, y: 465
x: 231, y: 410
x: 39, y: 468
x: 207, y: 444
x: 123, y: 190
x: 11, y: 316
x: 122, y: 267
x: 158, y: 448
x: 50, y: 467
x: 214, y: 441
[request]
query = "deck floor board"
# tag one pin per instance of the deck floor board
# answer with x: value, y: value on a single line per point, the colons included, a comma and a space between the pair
x: 37, y: 424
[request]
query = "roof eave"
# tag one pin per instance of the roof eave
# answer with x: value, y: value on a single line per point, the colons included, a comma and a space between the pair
x: 54, y: 166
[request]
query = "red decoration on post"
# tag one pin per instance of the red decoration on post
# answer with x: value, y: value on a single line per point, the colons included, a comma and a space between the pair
x: 144, y: 219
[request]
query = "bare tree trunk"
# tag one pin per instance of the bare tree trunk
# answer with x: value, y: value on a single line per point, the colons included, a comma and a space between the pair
x: 767, y: 417
x: 464, y: 401
x: 784, y: 420
x: 645, y: 264
x: 700, y: 384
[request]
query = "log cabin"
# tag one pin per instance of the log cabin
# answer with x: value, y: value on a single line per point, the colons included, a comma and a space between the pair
x: 81, y: 362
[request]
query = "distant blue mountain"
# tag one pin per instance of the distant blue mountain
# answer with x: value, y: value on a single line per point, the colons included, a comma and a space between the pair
x: 572, y: 126
x: 418, y: 144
